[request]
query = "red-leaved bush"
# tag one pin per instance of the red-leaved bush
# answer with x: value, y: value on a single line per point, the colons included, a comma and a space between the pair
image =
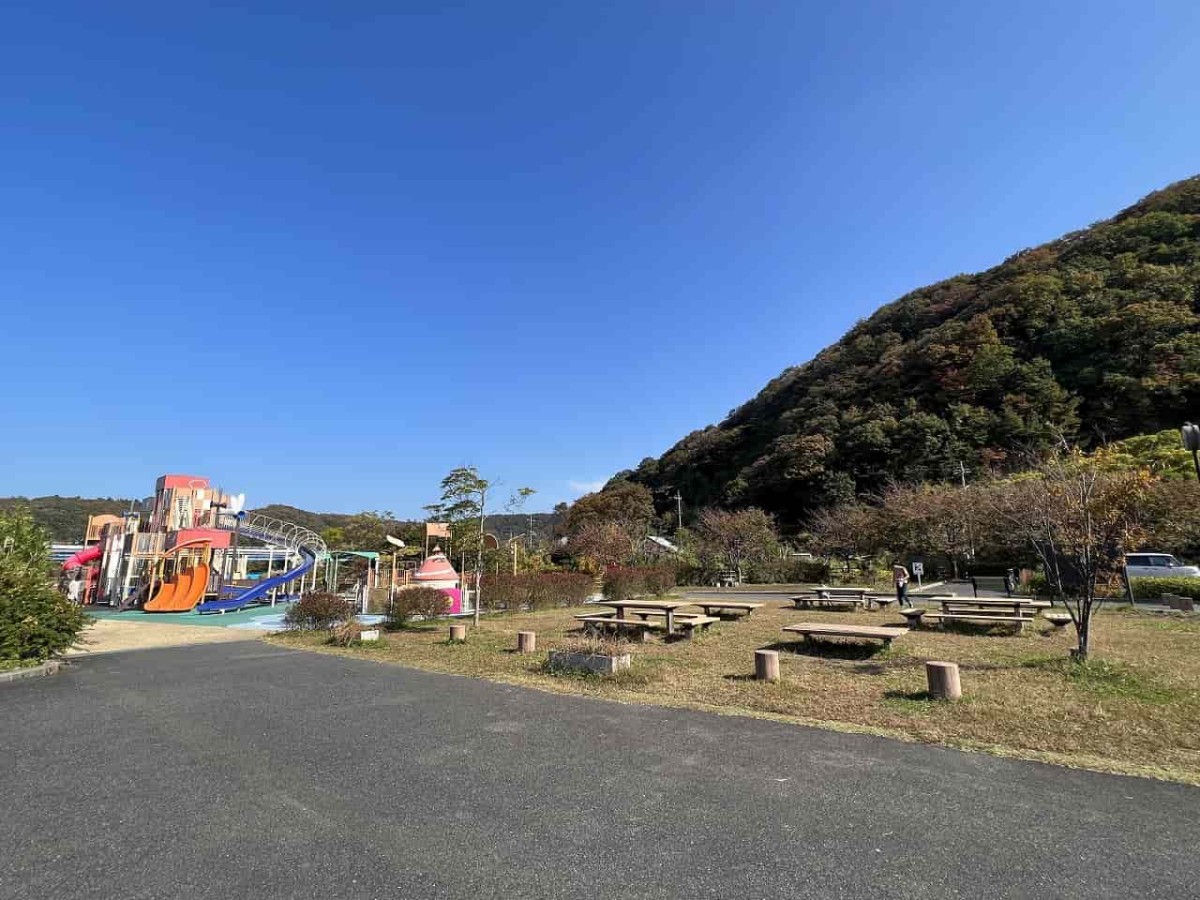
x: 534, y: 591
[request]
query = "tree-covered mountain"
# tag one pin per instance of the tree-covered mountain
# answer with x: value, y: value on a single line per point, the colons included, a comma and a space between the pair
x: 1090, y: 338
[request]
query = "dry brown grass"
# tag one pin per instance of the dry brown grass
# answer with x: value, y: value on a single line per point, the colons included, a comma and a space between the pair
x: 1135, y: 709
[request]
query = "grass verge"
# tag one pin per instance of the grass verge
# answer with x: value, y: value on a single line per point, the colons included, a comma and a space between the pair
x: 1134, y: 709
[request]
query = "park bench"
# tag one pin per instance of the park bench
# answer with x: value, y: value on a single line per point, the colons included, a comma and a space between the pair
x: 809, y: 630
x: 735, y: 607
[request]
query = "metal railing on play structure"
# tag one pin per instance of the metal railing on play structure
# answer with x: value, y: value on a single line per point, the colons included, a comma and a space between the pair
x: 296, y: 541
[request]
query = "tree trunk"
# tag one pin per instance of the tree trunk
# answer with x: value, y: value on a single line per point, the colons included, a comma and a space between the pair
x: 1083, y: 631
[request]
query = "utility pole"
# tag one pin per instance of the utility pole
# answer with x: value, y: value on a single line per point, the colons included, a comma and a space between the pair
x: 962, y: 474
x: 678, y: 510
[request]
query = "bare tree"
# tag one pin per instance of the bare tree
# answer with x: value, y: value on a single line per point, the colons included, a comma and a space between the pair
x: 1079, y: 518
x: 930, y: 518
x: 846, y: 532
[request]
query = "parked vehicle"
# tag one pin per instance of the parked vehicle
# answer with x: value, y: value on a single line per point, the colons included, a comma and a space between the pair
x: 1158, y: 565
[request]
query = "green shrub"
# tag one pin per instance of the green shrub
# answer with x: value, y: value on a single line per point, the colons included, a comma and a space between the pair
x: 413, y: 602
x: 317, y: 611
x: 1154, y: 588
x: 36, y: 621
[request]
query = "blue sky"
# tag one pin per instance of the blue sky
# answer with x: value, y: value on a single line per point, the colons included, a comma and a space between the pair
x: 324, y: 252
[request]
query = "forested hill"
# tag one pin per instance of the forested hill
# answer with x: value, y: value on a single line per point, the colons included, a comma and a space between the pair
x: 65, y: 518
x: 1092, y: 337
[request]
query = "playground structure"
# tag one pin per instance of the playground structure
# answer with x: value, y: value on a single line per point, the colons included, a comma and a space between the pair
x: 182, y: 551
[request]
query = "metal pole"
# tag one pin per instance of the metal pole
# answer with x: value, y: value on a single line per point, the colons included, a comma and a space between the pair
x: 392, y: 582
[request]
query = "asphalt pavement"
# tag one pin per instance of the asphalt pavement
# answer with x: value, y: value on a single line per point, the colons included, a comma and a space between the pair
x: 246, y: 770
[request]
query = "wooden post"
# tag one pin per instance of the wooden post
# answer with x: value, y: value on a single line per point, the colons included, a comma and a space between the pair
x: 458, y: 634
x: 526, y: 641
x: 766, y: 665
x: 943, y: 680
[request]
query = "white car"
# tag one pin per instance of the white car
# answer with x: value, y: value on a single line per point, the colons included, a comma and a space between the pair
x: 1158, y: 565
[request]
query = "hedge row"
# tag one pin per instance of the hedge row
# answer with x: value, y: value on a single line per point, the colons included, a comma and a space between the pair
x: 1154, y: 588
x: 624, y: 584
x: 511, y: 593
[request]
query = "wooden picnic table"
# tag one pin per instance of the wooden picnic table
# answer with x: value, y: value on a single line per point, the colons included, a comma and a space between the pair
x: 637, y: 606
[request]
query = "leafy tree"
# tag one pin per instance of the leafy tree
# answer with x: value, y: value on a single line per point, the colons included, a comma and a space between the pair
x: 598, y: 546
x: 464, y: 501
x: 623, y: 504
x: 732, y: 540
x: 36, y: 621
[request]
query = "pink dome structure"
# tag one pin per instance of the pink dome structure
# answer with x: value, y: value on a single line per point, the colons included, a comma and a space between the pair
x: 436, y: 571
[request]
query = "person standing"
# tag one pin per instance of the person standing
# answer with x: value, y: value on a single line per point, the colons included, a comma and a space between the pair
x: 900, y: 579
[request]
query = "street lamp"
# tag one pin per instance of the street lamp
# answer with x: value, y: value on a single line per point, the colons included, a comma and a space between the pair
x: 396, y: 545
x: 1191, y: 441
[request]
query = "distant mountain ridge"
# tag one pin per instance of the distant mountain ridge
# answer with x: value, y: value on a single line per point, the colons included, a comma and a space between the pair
x: 1089, y: 338
x: 65, y: 518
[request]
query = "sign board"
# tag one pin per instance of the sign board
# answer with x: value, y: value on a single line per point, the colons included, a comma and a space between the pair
x: 918, y: 569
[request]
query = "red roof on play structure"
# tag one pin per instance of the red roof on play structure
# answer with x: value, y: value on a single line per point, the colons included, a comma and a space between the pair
x: 436, y: 568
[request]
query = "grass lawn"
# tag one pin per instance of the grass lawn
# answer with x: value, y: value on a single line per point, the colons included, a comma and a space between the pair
x: 1135, y: 708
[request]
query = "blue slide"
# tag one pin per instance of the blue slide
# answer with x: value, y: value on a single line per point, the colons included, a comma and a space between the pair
x: 262, y: 589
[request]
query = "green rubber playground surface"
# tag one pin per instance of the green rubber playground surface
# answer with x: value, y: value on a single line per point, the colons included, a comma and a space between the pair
x: 211, y: 620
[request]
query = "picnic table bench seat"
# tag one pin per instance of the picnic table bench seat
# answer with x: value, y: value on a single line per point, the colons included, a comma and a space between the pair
x: 975, y: 618
x: 805, y: 601
x: 988, y: 612
x: 733, y: 606
x: 688, y: 623
x: 809, y: 630
x: 639, y: 627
